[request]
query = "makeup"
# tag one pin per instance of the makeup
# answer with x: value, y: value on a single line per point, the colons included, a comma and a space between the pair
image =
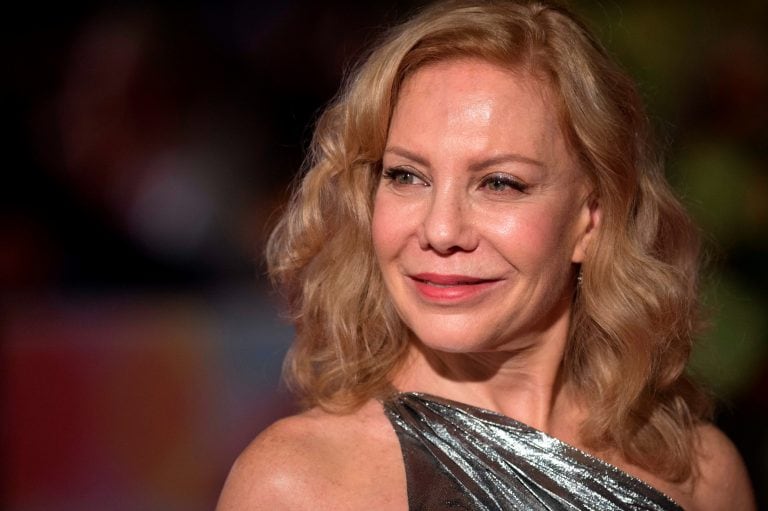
x: 450, y: 288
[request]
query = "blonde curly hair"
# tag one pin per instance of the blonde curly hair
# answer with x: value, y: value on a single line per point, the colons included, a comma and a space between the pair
x: 635, y: 313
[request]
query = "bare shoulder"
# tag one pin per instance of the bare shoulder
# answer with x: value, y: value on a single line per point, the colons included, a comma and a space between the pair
x: 723, y: 482
x: 274, y: 465
x: 318, y: 459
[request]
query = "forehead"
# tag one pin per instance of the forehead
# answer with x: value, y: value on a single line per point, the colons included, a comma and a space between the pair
x: 470, y: 67
x: 446, y: 86
x: 472, y: 101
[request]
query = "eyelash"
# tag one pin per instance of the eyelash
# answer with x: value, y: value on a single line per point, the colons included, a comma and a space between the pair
x: 507, y: 181
x: 394, y: 173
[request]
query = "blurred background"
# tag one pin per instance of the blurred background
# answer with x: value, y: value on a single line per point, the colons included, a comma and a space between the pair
x: 148, y: 147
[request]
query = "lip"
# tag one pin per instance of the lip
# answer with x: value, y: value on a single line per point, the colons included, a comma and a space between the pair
x: 444, y: 288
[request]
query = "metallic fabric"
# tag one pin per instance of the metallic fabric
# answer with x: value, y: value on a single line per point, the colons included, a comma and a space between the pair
x: 459, y: 456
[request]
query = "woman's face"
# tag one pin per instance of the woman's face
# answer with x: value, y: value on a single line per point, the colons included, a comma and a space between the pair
x: 481, y: 210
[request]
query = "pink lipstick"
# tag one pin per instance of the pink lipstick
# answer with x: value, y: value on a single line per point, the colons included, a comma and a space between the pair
x: 449, y: 288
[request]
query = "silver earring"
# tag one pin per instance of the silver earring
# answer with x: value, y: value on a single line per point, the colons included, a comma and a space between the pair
x: 579, y: 277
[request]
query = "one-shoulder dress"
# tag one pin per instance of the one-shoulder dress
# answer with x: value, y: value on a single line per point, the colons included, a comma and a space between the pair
x: 459, y: 456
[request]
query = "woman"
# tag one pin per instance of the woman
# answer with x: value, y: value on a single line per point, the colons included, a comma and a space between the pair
x: 494, y: 289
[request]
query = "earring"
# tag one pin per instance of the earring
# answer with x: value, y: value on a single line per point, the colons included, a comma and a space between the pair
x: 579, y: 278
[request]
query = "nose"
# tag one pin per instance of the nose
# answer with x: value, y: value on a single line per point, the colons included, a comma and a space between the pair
x: 447, y: 225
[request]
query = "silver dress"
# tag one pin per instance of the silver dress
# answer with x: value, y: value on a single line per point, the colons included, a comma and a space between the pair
x: 459, y: 456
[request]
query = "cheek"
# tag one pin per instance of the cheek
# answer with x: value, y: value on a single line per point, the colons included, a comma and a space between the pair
x: 532, y: 237
x: 386, y: 227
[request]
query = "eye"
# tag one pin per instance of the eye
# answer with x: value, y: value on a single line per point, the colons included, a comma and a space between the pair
x: 403, y: 176
x: 501, y: 183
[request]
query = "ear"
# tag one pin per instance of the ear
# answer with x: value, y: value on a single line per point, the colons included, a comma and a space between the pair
x: 590, y: 216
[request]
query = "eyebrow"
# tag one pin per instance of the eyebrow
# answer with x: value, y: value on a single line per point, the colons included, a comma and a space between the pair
x: 474, y: 167
x: 405, y: 153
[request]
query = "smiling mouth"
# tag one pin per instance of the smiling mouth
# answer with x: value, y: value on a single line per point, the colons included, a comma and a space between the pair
x: 437, y: 280
x: 451, y: 290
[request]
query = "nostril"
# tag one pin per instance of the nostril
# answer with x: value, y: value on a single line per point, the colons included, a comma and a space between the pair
x: 452, y: 250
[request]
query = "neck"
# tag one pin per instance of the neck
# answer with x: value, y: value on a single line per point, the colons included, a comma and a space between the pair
x: 524, y: 382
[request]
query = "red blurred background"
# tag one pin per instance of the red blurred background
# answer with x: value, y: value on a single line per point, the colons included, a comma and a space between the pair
x: 150, y: 145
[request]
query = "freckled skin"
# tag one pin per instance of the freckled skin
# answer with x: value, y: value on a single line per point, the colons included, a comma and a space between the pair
x: 450, y: 121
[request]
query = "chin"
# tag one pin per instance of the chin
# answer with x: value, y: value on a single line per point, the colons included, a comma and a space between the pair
x: 456, y: 341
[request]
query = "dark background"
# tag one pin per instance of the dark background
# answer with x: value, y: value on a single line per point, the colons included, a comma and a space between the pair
x: 147, y: 149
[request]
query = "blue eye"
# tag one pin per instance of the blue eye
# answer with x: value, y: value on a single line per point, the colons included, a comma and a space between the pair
x: 401, y: 176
